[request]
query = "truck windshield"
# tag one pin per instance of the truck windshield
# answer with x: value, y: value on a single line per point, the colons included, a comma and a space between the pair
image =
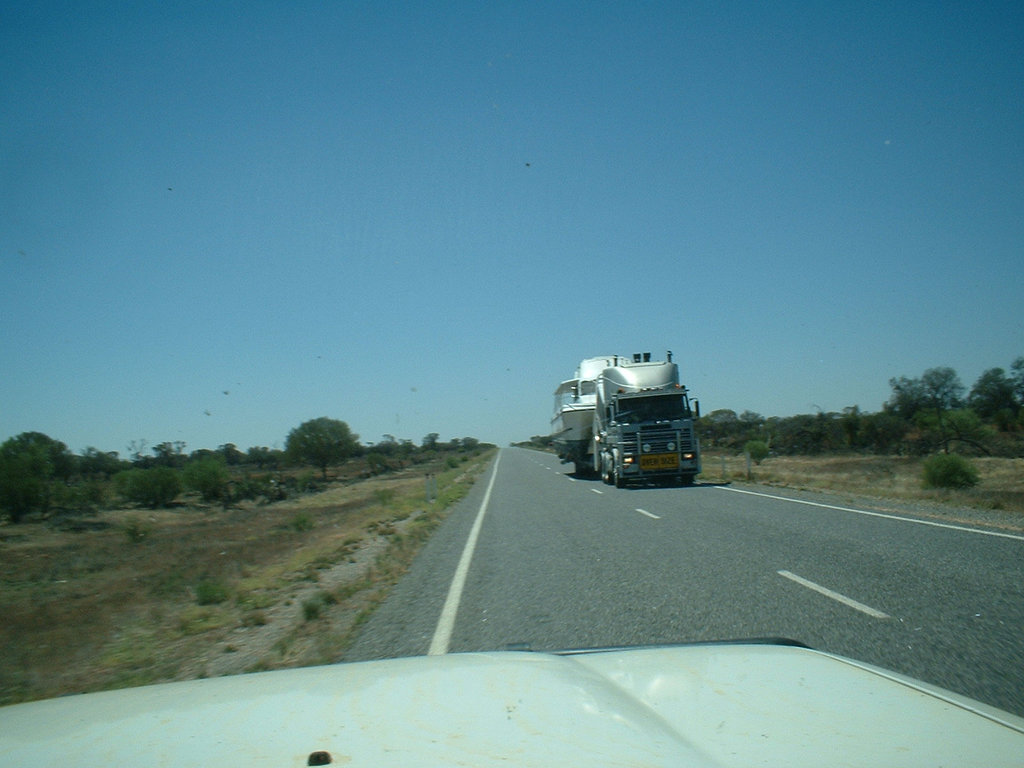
x: 652, y: 408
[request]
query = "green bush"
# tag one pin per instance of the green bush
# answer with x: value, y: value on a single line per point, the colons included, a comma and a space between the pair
x: 314, y: 606
x: 156, y: 487
x: 948, y: 470
x: 28, y: 465
x: 208, y: 476
x: 257, y: 486
x: 137, y: 530
x: 211, y: 592
x: 757, y: 450
x: 302, y: 522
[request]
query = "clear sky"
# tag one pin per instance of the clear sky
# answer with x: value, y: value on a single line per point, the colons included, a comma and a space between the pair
x: 221, y: 219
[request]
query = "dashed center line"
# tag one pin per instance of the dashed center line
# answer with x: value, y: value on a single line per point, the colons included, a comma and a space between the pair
x: 596, y: 491
x: 645, y: 512
x: 834, y: 595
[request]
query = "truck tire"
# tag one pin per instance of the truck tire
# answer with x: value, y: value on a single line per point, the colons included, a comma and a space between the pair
x: 619, y: 480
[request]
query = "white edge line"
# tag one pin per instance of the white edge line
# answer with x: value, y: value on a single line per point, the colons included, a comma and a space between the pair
x: 446, y: 624
x: 950, y: 526
x: 645, y: 512
x: 834, y: 595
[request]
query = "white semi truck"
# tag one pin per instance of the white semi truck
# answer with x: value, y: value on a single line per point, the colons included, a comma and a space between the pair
x: 644, y: 423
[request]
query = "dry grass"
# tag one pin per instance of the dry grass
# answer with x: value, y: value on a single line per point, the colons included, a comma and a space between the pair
x: 130, y: 597
x: 1001, y: 485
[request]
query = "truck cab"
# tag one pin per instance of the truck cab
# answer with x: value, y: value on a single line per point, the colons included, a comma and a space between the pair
x: 644, y: 424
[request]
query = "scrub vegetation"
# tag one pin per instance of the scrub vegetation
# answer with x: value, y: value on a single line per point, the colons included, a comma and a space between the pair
x: 247, y: 566
x: 998, y: 492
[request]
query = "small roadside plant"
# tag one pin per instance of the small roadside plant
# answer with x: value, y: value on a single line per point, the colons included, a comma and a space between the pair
x: 757, y: 450
x: 302, y: 522
x: 314, y: 606
x: 948, y: 470
x: 211, y: 592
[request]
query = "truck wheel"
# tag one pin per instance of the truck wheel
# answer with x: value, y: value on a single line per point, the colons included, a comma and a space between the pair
x: 619, y: 481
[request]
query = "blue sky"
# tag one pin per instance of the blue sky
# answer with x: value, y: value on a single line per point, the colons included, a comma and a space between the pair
x: 219, y: 220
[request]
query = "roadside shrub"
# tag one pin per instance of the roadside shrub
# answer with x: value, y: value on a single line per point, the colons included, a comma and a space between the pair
x: 304, y: 482
x: 948, y: 470
x: 156, y: 487
x: 209, y: 477
x: 377, y: 463
x: 757, y: 450
x: 258, y: 486
x: 137, y: 530
x: 302, y: 522
x: 314, y: 606
x: 211, y: 592
x: 384, y: 496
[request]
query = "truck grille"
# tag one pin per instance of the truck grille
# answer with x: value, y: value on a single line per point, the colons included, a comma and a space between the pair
x: 658, y: 439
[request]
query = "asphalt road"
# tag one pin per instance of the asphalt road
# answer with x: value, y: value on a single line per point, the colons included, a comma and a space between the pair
x: 559, y: 563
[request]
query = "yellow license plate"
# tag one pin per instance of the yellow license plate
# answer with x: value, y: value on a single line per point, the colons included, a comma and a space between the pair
x: 659, y: 461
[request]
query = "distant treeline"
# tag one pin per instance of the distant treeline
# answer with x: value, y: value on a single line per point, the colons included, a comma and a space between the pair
x: 40, y: 475
x: 930, y: 414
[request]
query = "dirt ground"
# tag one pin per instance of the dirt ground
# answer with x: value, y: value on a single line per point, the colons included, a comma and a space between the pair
x: 135, y: 596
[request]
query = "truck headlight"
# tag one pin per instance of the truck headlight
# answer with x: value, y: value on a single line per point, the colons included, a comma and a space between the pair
x: 687, y: 455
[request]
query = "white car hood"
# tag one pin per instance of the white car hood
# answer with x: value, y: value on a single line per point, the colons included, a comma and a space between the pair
x: 710, y: 705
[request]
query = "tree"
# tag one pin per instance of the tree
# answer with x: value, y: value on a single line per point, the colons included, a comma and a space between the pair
x: 262, y: 456
x: 28, y: 464
x: 939, y: 390
x: 907, y: 397
x: 992, y: 394
x: 883, y: 432
x: 231, y: 454
x: 1017, y: 377
x: 95, y: 463
x: 321, y: 442
x: 719, y: 427
x: 943, y: 389
x: 959, y: 426
x: 430, y: 441
x: 809, y: 434
x: 170, y: 454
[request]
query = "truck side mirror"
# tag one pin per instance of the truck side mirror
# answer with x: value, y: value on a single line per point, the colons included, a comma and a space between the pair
x: 696, y: 408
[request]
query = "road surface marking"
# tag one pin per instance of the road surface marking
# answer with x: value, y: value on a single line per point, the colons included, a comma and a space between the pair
x: 645, y: 512
x: 446, y: 624
x: 596, y: 491
x: 834, y: 595
x: 950, y: 526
